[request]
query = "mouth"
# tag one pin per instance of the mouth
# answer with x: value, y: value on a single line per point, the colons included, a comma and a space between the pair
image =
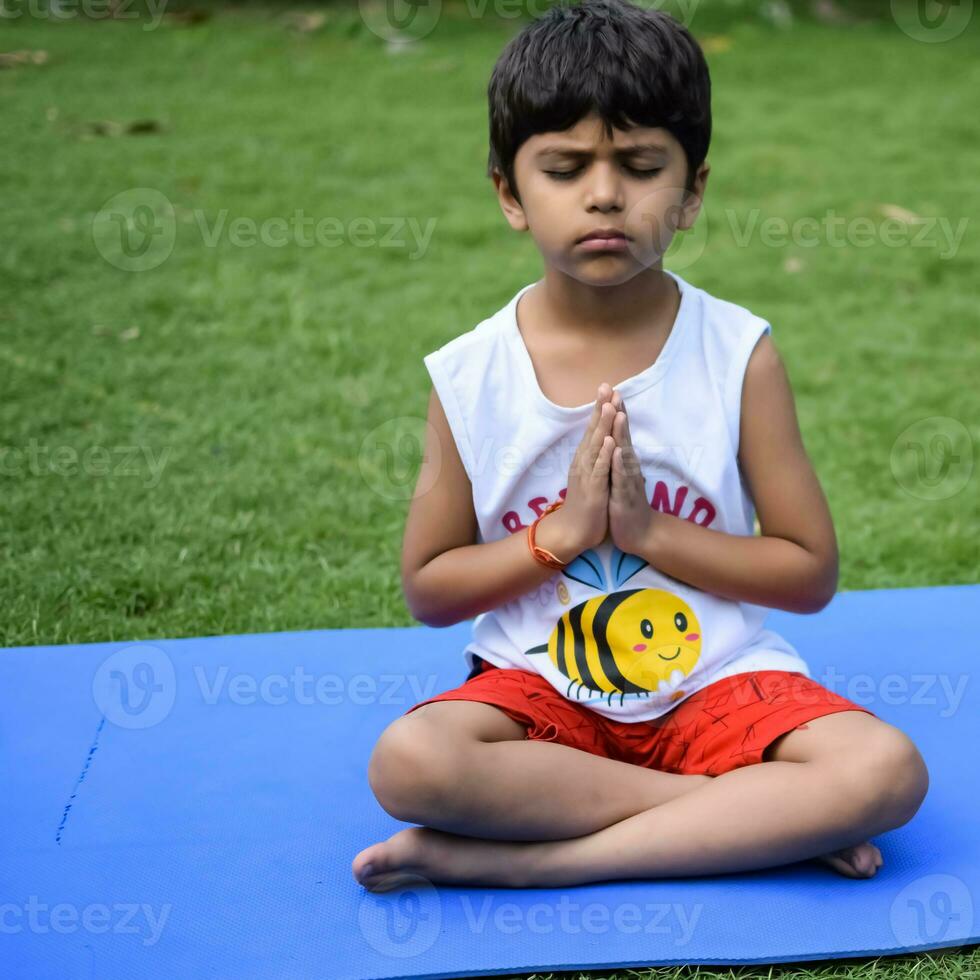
x: 674, y: 657
x: 603, y: 241
x: 604, y: 233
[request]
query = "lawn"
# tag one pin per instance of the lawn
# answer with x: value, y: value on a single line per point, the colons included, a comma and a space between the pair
x: 190, y: 434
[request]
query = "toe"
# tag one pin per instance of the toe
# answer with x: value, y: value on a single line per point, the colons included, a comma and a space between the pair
x: 852, y: 862
x: 366, y: 863
x: 862, y: 860
x: 838, y: 864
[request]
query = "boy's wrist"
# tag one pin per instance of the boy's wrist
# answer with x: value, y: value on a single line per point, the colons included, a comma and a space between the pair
x: 653, y: 538
x: 554, y: 535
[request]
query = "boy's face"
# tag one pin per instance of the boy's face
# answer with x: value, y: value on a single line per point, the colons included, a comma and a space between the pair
x: 576, y: 182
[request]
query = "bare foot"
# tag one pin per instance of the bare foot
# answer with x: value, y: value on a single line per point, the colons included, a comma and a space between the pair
x: 860, y: 861
x: 439, y: 856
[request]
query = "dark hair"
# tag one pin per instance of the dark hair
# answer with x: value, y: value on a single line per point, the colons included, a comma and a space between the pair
x: 630, y: 65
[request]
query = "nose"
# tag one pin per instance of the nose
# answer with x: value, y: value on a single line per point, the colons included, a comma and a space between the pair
x: 605, y: 189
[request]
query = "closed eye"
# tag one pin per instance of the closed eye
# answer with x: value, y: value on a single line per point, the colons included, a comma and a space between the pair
x: 568, y: 174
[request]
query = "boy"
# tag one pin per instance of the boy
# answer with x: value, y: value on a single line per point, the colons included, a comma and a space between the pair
x: 603, y: 730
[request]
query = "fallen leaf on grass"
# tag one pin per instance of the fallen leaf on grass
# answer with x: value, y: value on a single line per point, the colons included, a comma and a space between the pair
x: 305, y: 22
x: 109, y: 127
x: 716, y: 43
x: 11, y: 59
x: 900, y: 214
x: 139, y: 126
x: 828, y: 12
x: 187, y: 18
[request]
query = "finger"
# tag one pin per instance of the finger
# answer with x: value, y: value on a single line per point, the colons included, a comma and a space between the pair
x: 623, y: 425
x: 626, y: 423
x: 585, y: 450
x: 601, y: 398
x: 604, y: 426
x: 622, y: 471
x: 591, y: 424
x: 604, y: 459
x: 628, y: 460
x: 631, y: 465
x: 594, y: 444
x: 616, y: 472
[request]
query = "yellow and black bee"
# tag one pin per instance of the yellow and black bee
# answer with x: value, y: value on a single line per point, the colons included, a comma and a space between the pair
x: 634, y: 641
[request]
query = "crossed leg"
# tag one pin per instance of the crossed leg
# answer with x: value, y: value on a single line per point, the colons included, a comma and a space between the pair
x: 466, y: 767
x: 840, y: 779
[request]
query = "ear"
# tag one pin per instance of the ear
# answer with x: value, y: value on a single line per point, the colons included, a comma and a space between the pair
x: 512, y: 208
x: 693, y: 199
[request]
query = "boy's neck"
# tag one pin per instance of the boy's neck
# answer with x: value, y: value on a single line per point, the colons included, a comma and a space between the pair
x: 576, y: 310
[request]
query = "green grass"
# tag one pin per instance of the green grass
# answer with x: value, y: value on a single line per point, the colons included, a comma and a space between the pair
x: 257, y: 376
x: 961, y: 964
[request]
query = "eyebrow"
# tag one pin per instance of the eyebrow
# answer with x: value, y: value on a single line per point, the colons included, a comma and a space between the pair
x: 625, y: 150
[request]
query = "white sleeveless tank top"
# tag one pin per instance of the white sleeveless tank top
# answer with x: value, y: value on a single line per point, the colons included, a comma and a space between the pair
x: 610, y: 631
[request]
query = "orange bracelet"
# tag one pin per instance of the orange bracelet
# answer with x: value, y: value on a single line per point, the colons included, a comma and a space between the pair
x: 540, y: 554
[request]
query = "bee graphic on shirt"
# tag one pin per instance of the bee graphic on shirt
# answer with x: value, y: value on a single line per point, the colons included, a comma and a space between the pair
x: 628, y: 641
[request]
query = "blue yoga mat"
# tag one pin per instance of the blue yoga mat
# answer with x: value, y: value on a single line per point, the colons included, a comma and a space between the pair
x: 190, y: 808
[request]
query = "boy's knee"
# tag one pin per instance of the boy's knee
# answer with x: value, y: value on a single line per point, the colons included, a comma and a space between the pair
x: 410, y: 769
x: 894, y: 776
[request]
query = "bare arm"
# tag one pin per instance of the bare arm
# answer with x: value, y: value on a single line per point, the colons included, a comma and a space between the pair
x: 446, y: 576
x: 793, y: 564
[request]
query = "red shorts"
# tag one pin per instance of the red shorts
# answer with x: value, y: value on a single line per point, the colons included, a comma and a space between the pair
x: 725, y: 725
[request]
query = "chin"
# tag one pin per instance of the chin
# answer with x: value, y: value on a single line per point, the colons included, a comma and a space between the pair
x: 605, y: 270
